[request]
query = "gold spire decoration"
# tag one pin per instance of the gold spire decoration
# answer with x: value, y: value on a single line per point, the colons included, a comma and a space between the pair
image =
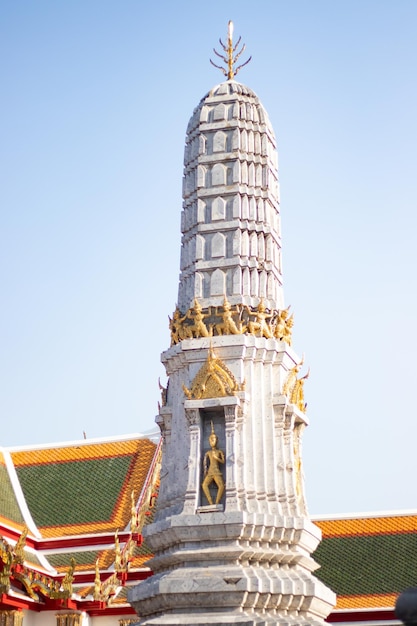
x: 231, y: 57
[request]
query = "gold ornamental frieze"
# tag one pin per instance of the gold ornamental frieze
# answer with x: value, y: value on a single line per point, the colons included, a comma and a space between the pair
x: 228, y: 319
x: 213, y: 380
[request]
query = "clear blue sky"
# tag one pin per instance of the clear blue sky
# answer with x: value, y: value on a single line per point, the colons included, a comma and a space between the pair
x: 96, y: 97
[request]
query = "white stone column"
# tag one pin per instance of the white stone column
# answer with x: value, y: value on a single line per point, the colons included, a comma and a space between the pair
x: 193, y: 487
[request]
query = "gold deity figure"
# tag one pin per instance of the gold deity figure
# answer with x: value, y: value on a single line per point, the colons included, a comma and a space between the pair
x: 212, y: 471
x: 228, y: 326
x: 198, y: 328
x: 179, y: 330
x: 288, y: 330
x: 281, y: 323
x: 260, y: 326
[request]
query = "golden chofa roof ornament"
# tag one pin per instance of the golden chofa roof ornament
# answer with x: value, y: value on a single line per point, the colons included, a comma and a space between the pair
x: 232, y: 55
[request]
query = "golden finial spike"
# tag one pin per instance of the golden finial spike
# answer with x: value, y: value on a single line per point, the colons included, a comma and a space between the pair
x: 230, y: 50
x: 231, y: 58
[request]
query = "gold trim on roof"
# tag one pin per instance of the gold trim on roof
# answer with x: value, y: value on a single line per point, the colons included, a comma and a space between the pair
x: 19, y: 548
x: 368, y: 525
x: 33, y: 582
x: 374, y: 601
x: 213, y: 380
x: 47, y: 456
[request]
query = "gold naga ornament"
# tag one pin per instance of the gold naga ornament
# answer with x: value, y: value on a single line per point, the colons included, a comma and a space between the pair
x: 213, y: 380
x: 105, y: 591
x: 238, y: 319
x: 294, y: 387
x: 33, y: 582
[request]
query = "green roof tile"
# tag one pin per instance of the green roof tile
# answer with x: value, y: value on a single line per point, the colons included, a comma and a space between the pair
x: 368, y: 564
x: 81, y: 558
x: 75, y: 492
x: 9, y: 507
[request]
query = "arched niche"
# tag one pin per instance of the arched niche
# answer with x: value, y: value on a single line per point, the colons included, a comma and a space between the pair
x: 219, y: 141
x: 218, y: 246
x: 220, y: 113
x: 201, y: 176
x: 218, y: 209
x: 217, y: 283
x: 218, y: 175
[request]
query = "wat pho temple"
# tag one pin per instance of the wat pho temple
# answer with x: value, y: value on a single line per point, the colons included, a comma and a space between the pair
x: 208, y: 522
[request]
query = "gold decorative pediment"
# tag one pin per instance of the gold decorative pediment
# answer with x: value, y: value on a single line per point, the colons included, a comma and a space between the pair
x: 213, y: 380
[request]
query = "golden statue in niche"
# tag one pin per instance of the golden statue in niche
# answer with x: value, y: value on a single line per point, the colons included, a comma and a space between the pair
x: 212, y: 471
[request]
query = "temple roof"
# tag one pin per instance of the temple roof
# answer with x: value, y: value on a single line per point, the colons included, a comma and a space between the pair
x: 10, y: 512
x: 73, y: 498
x: 368, y: 559
x: 80, y: 504
x: 82, y: 487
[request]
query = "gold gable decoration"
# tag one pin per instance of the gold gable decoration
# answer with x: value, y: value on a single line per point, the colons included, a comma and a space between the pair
x: 213, y: 380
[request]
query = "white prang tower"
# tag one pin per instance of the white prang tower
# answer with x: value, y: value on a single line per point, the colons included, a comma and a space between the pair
x: 231, y: 539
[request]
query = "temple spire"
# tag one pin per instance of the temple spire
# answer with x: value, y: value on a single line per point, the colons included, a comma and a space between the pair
x: 231, y: 58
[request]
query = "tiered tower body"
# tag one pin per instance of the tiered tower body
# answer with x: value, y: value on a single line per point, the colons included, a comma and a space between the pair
x: 230, y: 220
x: 247, y: 559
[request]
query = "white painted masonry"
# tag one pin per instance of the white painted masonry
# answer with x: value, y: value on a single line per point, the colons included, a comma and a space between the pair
x: 230, y: 221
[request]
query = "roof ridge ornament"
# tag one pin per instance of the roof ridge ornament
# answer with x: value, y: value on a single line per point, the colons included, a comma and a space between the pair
x: 231, y: 57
